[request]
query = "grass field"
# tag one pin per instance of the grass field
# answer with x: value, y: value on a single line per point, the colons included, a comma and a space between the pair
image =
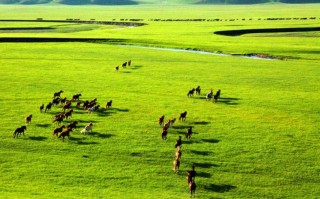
x: 260, y: 140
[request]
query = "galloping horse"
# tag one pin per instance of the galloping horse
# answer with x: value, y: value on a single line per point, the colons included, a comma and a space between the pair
x: 19, y: 131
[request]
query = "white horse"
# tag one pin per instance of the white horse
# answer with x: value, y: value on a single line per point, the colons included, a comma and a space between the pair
x: 87, y: 128
x: 209, y: 96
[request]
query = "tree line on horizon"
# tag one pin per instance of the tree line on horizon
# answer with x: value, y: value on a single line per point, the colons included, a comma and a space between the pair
x: 133, y: 2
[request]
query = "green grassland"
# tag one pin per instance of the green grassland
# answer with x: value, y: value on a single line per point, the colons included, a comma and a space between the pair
x: 260, y: 140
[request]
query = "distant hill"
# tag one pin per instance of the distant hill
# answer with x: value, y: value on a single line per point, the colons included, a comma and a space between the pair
x: 133, y: 2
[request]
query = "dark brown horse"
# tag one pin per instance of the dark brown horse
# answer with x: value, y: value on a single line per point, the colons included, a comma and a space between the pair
x: 183, y: 116
x: 161, y: 120
x: 178, y: 142
x: 19, y: 131
x: 57, y: 130
x: 164, y: 134
x: 192, y: 188
x: 189, y: 133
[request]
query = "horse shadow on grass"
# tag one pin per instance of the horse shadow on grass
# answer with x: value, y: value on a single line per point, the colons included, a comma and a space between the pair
x: 213, y: 141
x: 125, y: 72
x: 190, y: 142
x: 38, y: 138
x: 205, y: 153
x: 201, y: 123
x: 100, y: 135
x: 81, y: 141
x: 43, y: 125
x: 228, y: 100
x: 205, y: 165
x: 219, y: 188
x: 120, y: 109
x: 203, y: 174
x: 103, y: 112
x: 136, y: 67
x: 181, y: 127
x: 84, y: 121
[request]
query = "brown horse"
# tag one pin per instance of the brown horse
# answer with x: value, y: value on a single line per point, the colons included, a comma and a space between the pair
x: 164, y: 134
x: 72, y: 125
x: 192, y: 188
x: 178, y: 153
x: 68, y: 113
x: 65, y: 133
x: 28, y: 119
x: 161, y: 120
x: 176, y: 165
x: 178, y: 142
x: 57, y: 130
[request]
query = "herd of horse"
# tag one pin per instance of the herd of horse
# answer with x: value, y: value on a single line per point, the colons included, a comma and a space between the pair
x: 176, y: 162
x: 64, y: 131
x: 178, y: 146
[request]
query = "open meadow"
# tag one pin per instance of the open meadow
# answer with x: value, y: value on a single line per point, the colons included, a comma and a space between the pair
x: 259, y: 140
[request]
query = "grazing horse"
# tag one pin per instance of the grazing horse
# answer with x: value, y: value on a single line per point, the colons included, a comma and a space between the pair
x: 41, y: 108
x: 191, y: 92
x: 124, y: 64
x: 178, y: 142
x: 87, y: 128
x: 19, y: 131
x: 161, y: 120
x: 48, y: 107
x: 65, y: 133
x: 28, y: 119
x: 198, y: 90
x: 57, y: 94
x: 192, y: 188
x: 109, y: 104
x: 183, y: 116
x: 189, y: 133
x: 57, y: 130
x: 176, y: 165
